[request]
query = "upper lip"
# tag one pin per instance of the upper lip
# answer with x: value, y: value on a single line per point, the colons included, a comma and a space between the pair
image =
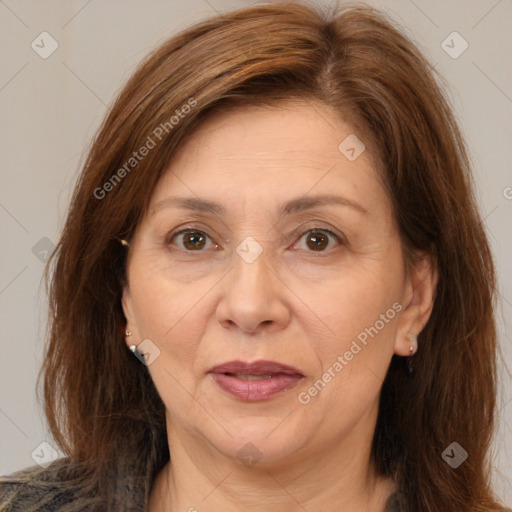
x: 255, y: 368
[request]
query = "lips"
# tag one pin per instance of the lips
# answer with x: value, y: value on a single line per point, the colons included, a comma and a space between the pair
x: 255, y: 381
x: 255, y: 368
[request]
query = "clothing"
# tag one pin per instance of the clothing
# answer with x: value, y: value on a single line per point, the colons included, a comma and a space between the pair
x: 55, y: 490
x: 18, y: 494
x: 33, y: 490
x: 25, y: 495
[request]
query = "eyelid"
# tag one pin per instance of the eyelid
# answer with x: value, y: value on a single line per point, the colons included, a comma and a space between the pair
x: 297, y: 234
x: 173, y: 234
x: 339, y: 239
x: 302, y: 230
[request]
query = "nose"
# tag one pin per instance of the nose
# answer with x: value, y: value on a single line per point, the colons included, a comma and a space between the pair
x: 253, y: 298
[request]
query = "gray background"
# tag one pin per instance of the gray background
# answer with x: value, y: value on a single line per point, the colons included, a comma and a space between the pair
x: 51, y: 107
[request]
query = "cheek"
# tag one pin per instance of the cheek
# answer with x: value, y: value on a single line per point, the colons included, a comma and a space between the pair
x: 351, y: 301
x: 173, y: 314
x: 353, y: 353
x: 353, y: 329
x: 162, y: 303
x: 173, y: 317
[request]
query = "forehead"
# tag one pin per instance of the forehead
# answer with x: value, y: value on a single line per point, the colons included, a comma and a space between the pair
x: 268, y: 151
x: 291, y: 131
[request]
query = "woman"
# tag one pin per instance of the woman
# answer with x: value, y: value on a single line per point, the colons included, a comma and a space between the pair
x: 276, y: 218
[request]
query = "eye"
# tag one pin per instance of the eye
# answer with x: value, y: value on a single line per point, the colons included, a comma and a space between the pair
x: 192, y: 240
x: 317, y: 240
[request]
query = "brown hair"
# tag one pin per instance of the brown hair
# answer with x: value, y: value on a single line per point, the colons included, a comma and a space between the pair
x: 102, y: 407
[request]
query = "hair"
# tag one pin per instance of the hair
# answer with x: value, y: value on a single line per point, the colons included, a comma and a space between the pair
x: 102, y: 407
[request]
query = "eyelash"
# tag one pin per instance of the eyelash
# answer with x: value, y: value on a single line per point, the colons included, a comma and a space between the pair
x: 172, y: 236
x: 332, y: 234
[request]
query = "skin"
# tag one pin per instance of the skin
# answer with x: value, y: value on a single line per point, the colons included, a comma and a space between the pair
x: 296, y: 303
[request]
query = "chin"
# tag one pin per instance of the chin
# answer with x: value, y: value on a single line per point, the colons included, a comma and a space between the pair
x: 261, y: 442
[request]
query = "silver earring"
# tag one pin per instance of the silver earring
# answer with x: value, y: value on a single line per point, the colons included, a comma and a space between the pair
x: 128, y: 333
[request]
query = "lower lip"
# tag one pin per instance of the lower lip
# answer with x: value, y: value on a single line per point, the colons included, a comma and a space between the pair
x: 255, y: 390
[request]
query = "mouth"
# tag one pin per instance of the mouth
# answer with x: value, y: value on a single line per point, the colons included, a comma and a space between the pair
x: 255, y: 381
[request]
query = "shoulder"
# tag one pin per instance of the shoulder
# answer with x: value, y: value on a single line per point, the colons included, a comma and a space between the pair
x: 36, y: 489
x: 396, y: 503
x: 67, y: 487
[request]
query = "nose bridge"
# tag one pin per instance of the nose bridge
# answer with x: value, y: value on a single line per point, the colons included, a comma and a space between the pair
x: 251, y: 294
x: 251, y: 273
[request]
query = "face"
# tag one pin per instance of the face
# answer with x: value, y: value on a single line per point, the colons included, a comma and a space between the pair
x: 264, y: 242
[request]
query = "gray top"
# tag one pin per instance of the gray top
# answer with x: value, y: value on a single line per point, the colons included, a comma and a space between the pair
x: 26, y: 497
x: 33, y: 490
x: 53, y: 490
x: 36, y: 490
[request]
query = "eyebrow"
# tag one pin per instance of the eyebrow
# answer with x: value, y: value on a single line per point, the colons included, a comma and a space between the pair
x: 306, y: 203
x: 189, y: 203
x: 293, y: 206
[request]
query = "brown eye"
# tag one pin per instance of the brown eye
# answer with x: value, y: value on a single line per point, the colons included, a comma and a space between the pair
x: 192, y: 240
x: 317, y: 240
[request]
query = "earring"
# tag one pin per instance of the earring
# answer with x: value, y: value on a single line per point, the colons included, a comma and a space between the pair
x: 128, y: 333
x: 133, y: 348
x: 412, y: 350
x: 414, y: 343
x: 124, y: 242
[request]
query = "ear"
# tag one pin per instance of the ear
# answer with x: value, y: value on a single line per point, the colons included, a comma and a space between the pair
x: 131, y: 326
x: 418, y: 302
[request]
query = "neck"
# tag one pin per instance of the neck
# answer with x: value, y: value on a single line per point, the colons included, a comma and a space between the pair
x: 202, y: 480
